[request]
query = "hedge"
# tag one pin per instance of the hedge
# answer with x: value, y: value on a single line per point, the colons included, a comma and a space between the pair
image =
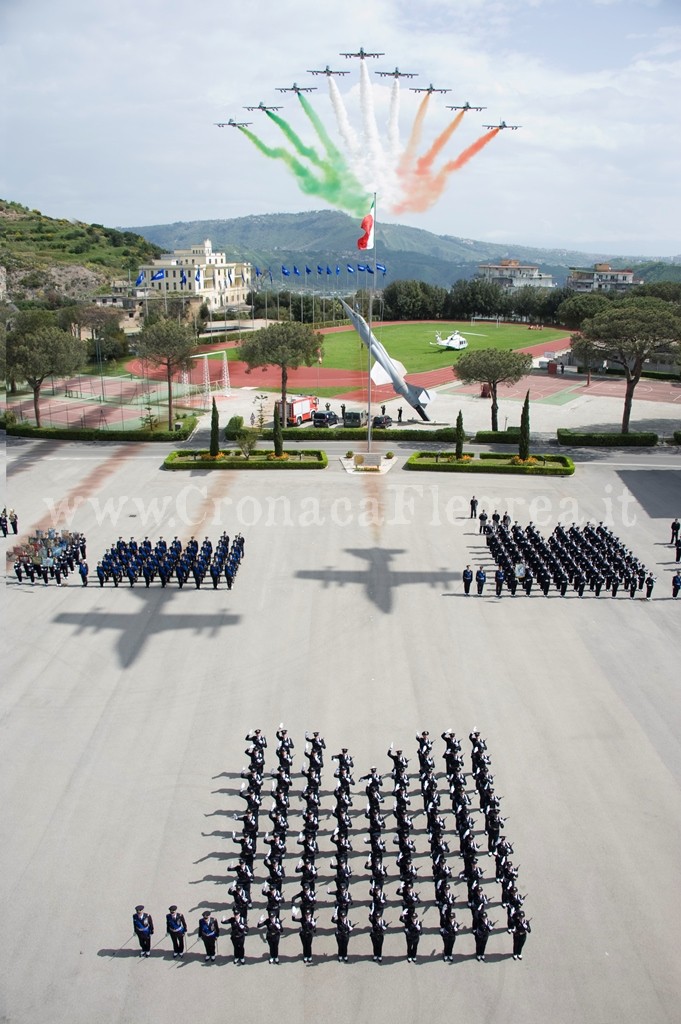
x: 510, y: 436
x: 586, y: 439
x: 87, y: 434
x: 489, y: 462
x: 184, y: 459
x: 445, y: 434
x: 677, y: 436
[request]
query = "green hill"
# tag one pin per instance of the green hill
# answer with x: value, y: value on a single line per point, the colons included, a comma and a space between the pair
x: 31, y: 241
x: 329, y: 236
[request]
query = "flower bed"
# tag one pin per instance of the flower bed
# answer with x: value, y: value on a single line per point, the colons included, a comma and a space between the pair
x: 200, y: 459
x: 491, y: 462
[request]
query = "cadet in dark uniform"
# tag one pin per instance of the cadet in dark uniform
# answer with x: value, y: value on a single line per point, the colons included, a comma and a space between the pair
x: 209, y: 931
x: 273, y: 929
x: 343, y: 929
x: 474, y: 507
x: 238, y: 930
x: 480, y: 579
x: 499, y: 578
x: 176, y: 927
x: 521, y: 927
x: 308, y: 927
x: 467, y: 577
x: 144, y: 929
x: 412, y: 931
x: 448, y: 930
x: 481, y: 931
x: 378, y: 928
x: 676, y: 584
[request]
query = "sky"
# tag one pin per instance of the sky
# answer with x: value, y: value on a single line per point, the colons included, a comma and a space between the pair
x: 109, y: 113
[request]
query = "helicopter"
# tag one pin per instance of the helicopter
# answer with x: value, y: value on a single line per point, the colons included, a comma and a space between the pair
x: 454, y: 341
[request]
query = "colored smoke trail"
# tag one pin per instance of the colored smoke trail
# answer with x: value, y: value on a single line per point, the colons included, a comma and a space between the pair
x: 423, y: 190
x: 366, y: 100
x: 300, y: 147
x: 337, y: 189
x: 333, y: 152
x: 415, y: 136
x: 394, y: 119
x: 347, y: 132
x: 424, y: 163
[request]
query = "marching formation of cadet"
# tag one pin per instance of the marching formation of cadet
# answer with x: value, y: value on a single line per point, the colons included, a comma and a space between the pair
x: 304, y: 902
x: 591, y: 557
x: 65, y: 559
x: 132, y: 562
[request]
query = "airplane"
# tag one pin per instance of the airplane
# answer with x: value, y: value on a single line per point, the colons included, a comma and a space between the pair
x: 502, y: 124
x: 466, y: 106
x: 397, y: 74
x: 327, y: 71
x: 233, y: 124
x: 362, y: 53
x: 431, y: 88
x: 296, y: 88
x: 454, y: 341
x: 261, y: 106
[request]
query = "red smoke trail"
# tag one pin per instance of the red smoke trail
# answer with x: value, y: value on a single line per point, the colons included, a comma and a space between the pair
x: 424, y: 163
x: 424, y: 189
x: 407, y: 158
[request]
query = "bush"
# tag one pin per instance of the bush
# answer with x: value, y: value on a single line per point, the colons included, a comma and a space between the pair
x: 390, y: 455
x: 587, y: 439
x: 349, y: 454
x: 234, y: 426
x: 356, y: 434
x: 510, y: 436
x: 87, y: 434
x: 677, y: 436
x: 200, y: 459
x: 489, y: 462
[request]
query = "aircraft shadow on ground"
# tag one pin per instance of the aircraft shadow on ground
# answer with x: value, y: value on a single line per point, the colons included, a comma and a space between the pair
x: 378, y: 578
x: 135, y: 628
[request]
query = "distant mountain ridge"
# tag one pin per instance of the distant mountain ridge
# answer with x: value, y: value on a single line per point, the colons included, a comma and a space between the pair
x: 325, y: 236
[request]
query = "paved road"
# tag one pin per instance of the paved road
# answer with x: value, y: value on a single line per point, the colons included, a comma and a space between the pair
x: 123, y: 715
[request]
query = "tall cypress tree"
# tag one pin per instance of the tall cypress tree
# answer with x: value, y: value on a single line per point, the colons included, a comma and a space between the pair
x: 278, y: 437
x: 214, y: 432
x: 524, y: 442
x: 460, y: 435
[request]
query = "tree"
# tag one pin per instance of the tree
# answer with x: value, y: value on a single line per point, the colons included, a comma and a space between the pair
x: 285, y: 345
x: 578, y: 308
x: 170, y: 345
x: 630, y: 332
x: 214, y: 431
x: 278, y: 438
x: 247, y: 440
x: 524, y: 442
x: 460, y: 435
x: 413, y: 300
x: 493, y: 366
x: 586, y: 352
x: 46, y: 351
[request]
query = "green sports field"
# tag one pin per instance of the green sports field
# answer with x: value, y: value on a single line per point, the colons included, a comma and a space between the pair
x: 410, y: 343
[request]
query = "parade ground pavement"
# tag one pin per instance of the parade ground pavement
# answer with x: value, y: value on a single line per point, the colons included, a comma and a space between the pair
x: 124, y: 713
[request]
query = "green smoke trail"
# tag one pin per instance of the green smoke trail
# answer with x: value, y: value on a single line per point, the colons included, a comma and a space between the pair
x: 333, y: 187
x: 307, y: 151
x: 334, y: 154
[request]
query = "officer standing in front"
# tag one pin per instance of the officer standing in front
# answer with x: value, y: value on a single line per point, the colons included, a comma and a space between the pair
x: 144, y: 929
x: 209, y: 931
x: 176, y: 927
x: 467, y: 577
x: 480, y: 579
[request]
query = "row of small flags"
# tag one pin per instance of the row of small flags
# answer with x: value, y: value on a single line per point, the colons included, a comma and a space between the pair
x: 361, y: 267
x: 159, y: 275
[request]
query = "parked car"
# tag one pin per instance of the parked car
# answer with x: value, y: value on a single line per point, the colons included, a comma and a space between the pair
x: 324, y: 418
x: 382, y: 422
x: 355, y: 418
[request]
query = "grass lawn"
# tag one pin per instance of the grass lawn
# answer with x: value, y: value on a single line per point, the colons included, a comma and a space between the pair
x: 410, y: 344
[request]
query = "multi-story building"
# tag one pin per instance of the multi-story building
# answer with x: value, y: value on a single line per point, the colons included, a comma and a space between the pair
x: 602, y: 278
x: 511, y: 274
x: 198, y: 273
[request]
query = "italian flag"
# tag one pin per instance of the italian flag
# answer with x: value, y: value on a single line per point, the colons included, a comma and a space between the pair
x: 367, y: 226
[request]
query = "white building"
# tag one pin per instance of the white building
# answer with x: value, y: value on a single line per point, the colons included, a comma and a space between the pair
x: 511, y: 274
x: 197, y: 273
x: 602, y: 278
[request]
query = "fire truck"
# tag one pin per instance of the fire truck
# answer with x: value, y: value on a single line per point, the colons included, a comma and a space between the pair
x: 299, y: 409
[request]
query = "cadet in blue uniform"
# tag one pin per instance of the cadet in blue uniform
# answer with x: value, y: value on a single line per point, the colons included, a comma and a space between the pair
x: 144, y: 929
x: 467, y: 577
x: 209, y: 931
x: 480, y: 579
x: 176, y: 926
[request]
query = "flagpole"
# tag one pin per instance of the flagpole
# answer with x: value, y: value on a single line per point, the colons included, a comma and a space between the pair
x: 371, y: 304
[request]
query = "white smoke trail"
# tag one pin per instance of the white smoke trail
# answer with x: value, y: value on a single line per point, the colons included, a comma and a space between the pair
x: 347, y: 132
x: 394, y: 120
x: 369, y: 126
